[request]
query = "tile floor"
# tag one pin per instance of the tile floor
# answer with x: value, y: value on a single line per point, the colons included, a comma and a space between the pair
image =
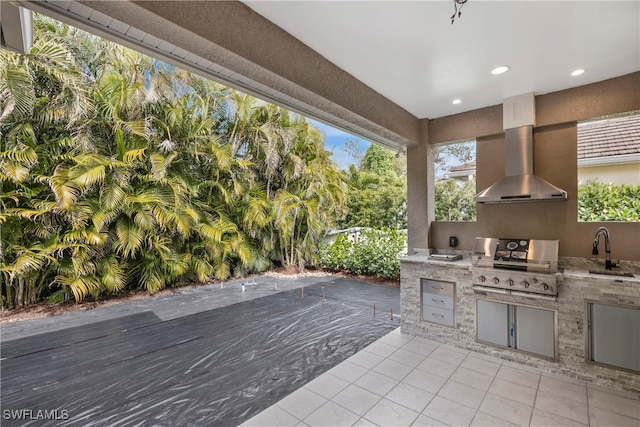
x: 405, y: 381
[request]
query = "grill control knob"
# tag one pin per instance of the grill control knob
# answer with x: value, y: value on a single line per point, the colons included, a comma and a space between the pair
x: 545, y: 286
x: 534, y: 280
x: 496, y: 280
x: 525, y: 284
x: 510, y: 282
x: 482, y: 279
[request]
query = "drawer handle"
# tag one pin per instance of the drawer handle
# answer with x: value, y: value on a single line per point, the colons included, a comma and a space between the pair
x: 437, y: 315
x: 437, y: 300
x: 437, y: 287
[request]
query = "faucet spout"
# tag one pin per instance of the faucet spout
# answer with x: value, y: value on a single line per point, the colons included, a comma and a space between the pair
x: 602, y: 231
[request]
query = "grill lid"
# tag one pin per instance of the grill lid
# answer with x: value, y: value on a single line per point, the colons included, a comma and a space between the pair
x: 516, y: 254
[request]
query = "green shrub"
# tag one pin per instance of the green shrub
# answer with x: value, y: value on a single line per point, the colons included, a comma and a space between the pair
x: 608, y: 202
x: 374, y: 253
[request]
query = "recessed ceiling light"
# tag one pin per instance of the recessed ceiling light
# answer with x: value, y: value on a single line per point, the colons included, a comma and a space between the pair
x: 499, y: 70
x: 577, y: 72
x: 456, y: 101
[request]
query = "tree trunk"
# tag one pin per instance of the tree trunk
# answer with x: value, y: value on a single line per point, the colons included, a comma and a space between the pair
x: 10, y: 300
x: 20, y: 294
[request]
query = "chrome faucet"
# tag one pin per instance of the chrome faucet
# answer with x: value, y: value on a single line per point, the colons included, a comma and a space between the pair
x: 607, y: 246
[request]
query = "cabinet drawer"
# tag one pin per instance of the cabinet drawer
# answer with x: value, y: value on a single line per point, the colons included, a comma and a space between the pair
x: 442, y: 316
x: 436, y: 287
x: 436, y: 300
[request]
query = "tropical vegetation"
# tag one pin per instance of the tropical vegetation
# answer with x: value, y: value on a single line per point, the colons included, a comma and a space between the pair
x: 377, y: 191
x: 599, y: 201
x: 373, y: 252
x: 120, y: 172
x: 455, y: 201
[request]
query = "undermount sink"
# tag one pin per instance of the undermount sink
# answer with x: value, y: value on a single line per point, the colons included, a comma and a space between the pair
x: 611, y: 273
x: 445, y: 257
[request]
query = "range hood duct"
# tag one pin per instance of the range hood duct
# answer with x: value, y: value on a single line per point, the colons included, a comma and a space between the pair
x: 520, y: 184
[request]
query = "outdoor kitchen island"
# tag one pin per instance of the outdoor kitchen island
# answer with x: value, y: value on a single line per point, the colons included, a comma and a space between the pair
x: 556, y: 324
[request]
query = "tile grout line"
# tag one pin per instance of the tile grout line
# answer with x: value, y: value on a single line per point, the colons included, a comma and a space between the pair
x: 331, y: 399
x: 311, y: 391
x: 588, y: 407
x: 535, y: 398
x: 372, y: 369
x: 486, y: 393
x: 403, y: 378
x: 415, y: 368
x: 434, y: 394
x: 447, y: 379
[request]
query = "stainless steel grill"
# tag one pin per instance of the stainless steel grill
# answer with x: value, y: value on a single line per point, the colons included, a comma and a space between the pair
x: 524, y: 267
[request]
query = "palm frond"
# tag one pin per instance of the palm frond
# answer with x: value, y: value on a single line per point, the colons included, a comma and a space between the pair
x: 144, y: 219
x: 14, y: 170
x: 112, y: 275
x: 17, y: 93
x: 80, y: 286
x: 112, y: 195
x: 151, y: 277
x: 129, y: 238
x: 210, y: 232
x: 144, y: 198
x: 30, y: 214
x: 134, y: 154
x: 102, y: 218
x: 86, y: 175
x: 20, y: 154
x: 160, y: 164
x: 85, y: 236
x: 64, y: 189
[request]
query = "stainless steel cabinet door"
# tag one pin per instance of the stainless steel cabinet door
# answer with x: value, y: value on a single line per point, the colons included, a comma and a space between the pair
x: 615, y: 336
x: 535, y: 330
x: 492, y: 322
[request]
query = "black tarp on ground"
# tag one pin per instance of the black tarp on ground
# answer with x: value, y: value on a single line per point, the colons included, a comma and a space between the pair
x: 218, y: 367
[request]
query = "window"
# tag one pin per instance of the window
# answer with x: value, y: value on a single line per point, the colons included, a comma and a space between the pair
x: 455, y: 181
x: 609, y: 169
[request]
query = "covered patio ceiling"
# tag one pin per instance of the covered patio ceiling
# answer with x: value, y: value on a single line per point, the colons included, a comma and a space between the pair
x: 375, y: 68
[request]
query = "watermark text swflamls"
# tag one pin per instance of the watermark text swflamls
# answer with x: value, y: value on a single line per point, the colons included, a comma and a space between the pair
x: 35, y: 414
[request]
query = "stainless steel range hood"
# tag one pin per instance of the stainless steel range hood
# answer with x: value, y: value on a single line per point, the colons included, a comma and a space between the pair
x: 520, y: 184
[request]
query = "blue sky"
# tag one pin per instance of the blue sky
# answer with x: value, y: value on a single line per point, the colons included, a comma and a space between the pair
x: 334, y: 142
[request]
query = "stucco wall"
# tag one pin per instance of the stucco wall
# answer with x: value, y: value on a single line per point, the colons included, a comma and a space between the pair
x: 628, y: 173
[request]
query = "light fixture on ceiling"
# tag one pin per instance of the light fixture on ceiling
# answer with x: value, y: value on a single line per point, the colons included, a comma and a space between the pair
x: 456, y: 101
x: 500, y: 70
x: 457, y: 9
x: 577, y: 72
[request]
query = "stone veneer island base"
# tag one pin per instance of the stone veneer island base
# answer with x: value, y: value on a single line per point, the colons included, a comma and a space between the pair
x: 576, y: 288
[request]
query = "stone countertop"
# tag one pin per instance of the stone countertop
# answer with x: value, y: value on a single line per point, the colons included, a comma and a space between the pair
x: 572, y: 269
x: 584, y: 274
x: 578, y: 268
x: 465, y: 262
